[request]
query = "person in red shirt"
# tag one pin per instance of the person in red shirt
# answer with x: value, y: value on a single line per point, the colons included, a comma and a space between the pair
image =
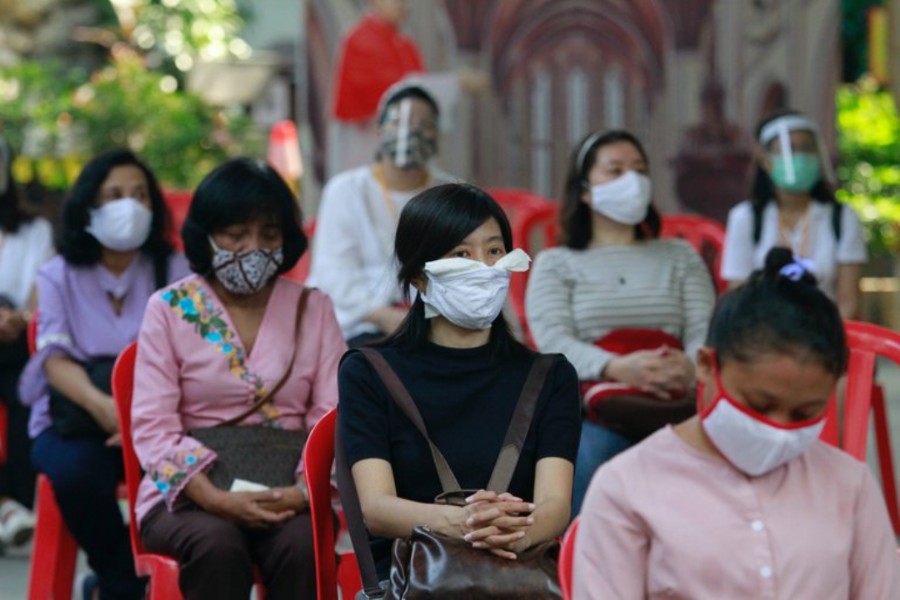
x: 374, y: 56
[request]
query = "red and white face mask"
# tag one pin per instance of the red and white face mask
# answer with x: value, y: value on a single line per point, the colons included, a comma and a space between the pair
x: 750, y: 441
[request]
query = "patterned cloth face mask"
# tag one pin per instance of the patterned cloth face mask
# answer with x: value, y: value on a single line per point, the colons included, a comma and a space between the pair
x: 245, y: 273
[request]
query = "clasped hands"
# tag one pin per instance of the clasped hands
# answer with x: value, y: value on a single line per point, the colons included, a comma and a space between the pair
x: 498, y: 523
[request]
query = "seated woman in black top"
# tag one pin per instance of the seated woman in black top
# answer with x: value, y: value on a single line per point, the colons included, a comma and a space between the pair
x: 465, y: 372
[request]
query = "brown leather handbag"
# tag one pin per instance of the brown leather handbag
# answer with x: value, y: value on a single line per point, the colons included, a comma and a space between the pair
x: 259, y: 454
x: 434, y: 566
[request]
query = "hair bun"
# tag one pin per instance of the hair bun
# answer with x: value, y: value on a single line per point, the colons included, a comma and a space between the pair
x: 781, y: 263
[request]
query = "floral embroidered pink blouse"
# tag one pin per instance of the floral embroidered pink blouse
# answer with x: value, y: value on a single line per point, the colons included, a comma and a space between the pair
x: 192, y: 371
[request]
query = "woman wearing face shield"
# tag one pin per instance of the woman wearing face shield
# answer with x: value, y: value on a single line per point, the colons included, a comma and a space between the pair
x: 793, y: 205
x: 91, y: 298
x: 622, y: 305
x: 744, y: 500
x: 465, y: 372
x: 232, y: 349
x: 352, y: 257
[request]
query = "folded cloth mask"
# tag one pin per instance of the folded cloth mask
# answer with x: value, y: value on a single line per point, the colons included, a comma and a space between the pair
x: 469, y: 293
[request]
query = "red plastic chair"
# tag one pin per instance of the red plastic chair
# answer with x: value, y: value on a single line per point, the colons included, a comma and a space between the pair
x: 54, y: 550
x: 518, y: 202
x: 162, y: 570
x: 705, y: 235
x: 178, y: 203
x: 533, y: 230
x: 566, y: 559
x: 318, y: 458
x: 301, y: 270
x: 863, y: 395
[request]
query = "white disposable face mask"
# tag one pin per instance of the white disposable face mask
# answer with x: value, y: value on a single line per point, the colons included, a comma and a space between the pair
x: 121, y: 225
x: 749, y: 441
x: 468, y: 293
x: 625, y: 199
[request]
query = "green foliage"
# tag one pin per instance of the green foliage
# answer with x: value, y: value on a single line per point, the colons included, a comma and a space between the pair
x: 869, y: 144
x: 55, y: 121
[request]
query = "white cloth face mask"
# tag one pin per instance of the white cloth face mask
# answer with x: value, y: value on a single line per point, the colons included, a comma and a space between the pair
x: 121, y: 225
x: 625, y: 199
x: 752, y: 443
x: 469, y: 293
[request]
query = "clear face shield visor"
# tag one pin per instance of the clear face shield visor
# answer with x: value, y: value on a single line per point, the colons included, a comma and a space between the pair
x: 780, y: 129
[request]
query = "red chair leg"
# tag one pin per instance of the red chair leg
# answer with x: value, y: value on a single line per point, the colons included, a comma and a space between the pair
x: 54, y: 551
x: 885, y: 456
x: 349, y: 580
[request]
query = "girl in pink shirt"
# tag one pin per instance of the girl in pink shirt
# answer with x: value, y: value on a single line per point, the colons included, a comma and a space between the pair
x: 743, y: 500
x: 210, y: 346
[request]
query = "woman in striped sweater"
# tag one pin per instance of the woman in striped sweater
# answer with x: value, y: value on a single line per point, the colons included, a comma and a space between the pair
x: 613, y: 273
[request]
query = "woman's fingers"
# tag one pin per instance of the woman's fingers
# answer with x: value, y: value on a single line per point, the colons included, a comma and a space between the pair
x: 487, y: 513
x: 499, y: 540
x: 503, y: 553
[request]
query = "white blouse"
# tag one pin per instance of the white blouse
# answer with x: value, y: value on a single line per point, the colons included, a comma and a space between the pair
x: 21, y: 255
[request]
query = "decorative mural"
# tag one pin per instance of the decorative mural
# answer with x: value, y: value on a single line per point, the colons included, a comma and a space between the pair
x: 689, y: 77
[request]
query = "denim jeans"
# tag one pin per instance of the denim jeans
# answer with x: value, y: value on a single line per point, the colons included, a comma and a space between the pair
x: 85, y: 474
x: 598, y: 444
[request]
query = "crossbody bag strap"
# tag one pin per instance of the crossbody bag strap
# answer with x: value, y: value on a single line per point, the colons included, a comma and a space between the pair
x: 301, y: 307
x: 356, y: 525
x: 508, y: 458
x: 402, y: 398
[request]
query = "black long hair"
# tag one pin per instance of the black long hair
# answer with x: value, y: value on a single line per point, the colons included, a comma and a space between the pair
x: 241, y: 190
x: 430, y: 226
x: 763, y: 190
x: 575, y: 223
x: 11, y: 213
x: 79, y: 247
x: 776, y: 314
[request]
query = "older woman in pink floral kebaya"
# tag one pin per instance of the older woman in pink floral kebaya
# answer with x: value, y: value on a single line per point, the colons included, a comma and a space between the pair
x: 218, y: 345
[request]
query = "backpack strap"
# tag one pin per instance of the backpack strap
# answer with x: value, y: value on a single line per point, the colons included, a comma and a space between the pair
x: 837, y: 213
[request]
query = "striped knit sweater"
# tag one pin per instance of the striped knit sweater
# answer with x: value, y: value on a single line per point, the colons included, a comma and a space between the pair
x: 574, y: 297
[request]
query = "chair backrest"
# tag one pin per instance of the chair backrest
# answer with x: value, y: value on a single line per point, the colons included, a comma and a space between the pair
x: 866, y: 342
x: 31, y: 333
x: 517, y: 201
x: 178, y: 203
x: 122, y: 390
x: 533, y: 230
x: 707, y: 237
x: 301, y: 270
x: 566, y: 559
x: 318, y: 457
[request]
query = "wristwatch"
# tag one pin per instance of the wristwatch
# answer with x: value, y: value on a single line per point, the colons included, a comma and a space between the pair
x: 304, y: 491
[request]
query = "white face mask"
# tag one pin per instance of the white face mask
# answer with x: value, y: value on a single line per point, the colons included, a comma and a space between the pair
x: 749, y: 441
x: 625, y: 199
x: 468, y: 293
x: 121, y: 225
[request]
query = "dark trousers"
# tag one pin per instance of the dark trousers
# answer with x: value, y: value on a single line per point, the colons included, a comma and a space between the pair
x: 216, y: 556
x: 85, y: 474
x: 16, y: 475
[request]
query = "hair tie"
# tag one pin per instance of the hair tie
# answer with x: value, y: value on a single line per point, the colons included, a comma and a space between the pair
x: 796, y: 269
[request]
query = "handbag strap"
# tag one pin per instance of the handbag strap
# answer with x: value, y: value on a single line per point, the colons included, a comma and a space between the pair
x: 301, y: 307
x: 502, y: 474
x: 514, y: 440
x: 356, y: 525
x: 506, y: 463
x: 401, y: 397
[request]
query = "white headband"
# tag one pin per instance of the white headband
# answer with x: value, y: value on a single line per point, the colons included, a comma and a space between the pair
x: 585, y: 148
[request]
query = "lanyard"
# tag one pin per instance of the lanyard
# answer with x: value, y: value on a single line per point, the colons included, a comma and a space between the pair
x: 378, y: 174
x: 785, y: 237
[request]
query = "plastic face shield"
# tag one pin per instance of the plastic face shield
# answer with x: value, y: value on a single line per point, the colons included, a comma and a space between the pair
x: 780, y: 129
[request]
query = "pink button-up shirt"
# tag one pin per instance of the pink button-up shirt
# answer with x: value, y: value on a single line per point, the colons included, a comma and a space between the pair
x: 192, y: 371
x: 664, y: 520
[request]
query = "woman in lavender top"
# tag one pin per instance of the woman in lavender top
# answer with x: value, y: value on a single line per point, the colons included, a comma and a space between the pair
x: 91, y: 299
